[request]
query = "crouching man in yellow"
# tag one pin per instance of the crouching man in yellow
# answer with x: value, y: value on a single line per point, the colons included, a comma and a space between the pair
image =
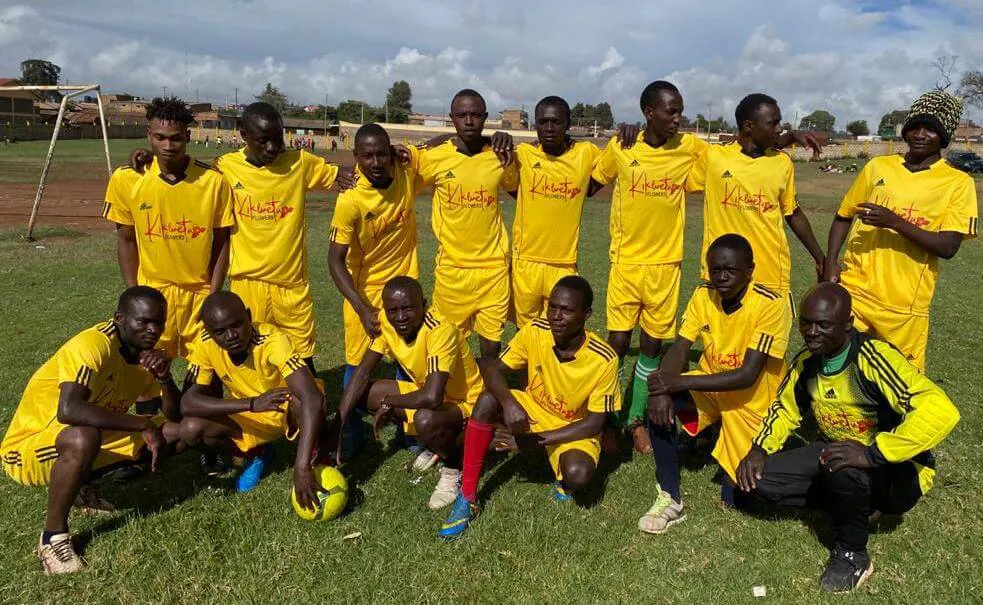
x: 272, y: 393
x: 72, y: 419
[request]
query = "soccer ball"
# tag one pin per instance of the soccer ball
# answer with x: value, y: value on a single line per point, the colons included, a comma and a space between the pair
x: 330, y: 502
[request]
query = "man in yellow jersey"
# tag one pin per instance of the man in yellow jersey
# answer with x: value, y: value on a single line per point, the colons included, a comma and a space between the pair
x: 442, y: 384
x: 471, y: 279
x: 911, y: 210
x: 554, y: 180
x: 744, y: 328
x: 72, y: 418
x: 271, y: 393
x: 749, y: 189
x: 878, y: 418
x: 172, y: 224
x: 572, y: 384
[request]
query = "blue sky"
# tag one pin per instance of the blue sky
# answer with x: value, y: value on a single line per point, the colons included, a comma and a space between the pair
x: 856, y: 59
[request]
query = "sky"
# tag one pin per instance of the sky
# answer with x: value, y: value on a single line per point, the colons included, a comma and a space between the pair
x: 856, y: 59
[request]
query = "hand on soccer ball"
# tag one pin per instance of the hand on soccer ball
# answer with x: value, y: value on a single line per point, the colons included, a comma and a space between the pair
x: 306, y: 487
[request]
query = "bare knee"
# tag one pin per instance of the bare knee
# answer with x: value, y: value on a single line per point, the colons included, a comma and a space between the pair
x: 426, y: 424
x: 191, y: 430
x: 79, y: 443
x: 577, y: 471
x: 487, y: 409
x: 619, y: 341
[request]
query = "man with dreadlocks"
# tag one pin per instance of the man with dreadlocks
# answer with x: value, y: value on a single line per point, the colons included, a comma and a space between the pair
x: 911, y: 209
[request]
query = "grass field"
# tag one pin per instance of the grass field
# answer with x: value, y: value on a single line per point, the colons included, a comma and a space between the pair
x: 183, y: 538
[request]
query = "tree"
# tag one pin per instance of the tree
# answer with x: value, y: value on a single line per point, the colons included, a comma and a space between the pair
x: 38, y: 72
x: 971, y: 87
x: 586, y: 115
x: 889, y: 122
x: 820, y: 120
x: 398, y: 102
x: 603, y: 115
x: 858, y: 128
x: 944, y: 65
x: 272, y: 95
x: 352, y: 111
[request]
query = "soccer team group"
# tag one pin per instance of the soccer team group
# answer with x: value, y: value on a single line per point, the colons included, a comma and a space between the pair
x: 184, y: 226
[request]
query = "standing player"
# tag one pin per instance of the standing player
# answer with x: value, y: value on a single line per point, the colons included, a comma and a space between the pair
x: 911, y: 211
x: 272, y: 393
x: 744, y: 327
x: 554, y: 180
x: 572, y: 383
x: 172, y: 224
x: 471, y: 280
x: 72, y: 418
x: 878, y: 418
x: 442, y: 386
x: 749, y: 189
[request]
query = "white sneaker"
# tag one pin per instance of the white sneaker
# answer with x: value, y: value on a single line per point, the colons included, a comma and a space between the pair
x: 424, y: 461
x: 59, y: 556
x: 664, y: 514
x: 447, y: 487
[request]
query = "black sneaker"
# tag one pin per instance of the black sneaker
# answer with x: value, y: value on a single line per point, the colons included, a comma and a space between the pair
x: 213, y: 464
x: 846, y: 570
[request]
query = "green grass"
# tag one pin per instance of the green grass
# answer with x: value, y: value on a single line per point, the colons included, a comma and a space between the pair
x: 185, y: 539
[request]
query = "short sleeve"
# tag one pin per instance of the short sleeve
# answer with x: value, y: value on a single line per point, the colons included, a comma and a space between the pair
x: 858, y: 193
x: 344, y: 220
x: 788, y: 201
x: 516, y: 354
x: 697, y: 178
x: 443, y: 348
x: 318, y: 174
x: 962, y: 212
x: 280, y: 353
x: 693, y: 321
x: 117, y: 206
x: 426, y: 170
x: 200, y: 368
x: 81, y: 358
x: 224, y: 200
x: 378, y: 345
x: 606, y: 166
x: 606, y: 396
x: 771, y: 328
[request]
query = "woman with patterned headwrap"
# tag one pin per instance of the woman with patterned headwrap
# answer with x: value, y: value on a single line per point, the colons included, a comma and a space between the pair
x: 910, y: 210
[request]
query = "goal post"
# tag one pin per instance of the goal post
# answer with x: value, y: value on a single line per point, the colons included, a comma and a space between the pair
x: 67, y: 93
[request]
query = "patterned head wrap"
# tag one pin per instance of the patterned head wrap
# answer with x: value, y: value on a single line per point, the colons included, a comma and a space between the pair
x: 937, y: 109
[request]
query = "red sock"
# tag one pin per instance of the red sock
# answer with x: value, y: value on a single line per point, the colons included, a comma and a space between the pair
x: 477, y: 438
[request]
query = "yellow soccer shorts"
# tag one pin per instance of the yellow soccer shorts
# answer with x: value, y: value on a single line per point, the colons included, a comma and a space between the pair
x: 183, y: 318
x: 541, y: 421
x: 532, y: 283
x: 356, y: 339
x: 409, y: 428
x: 909, y: 333
x: 289, y: 308
x: 260, y: 428
x: 30, y: 460
x: 476, y: 300
x: 645, y: 295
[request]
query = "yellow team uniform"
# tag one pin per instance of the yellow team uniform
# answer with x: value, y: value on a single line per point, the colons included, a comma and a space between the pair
x: 546, y: 229
x: 471, y: 280
x: 92, y: 359
x: 272, y: 358
x: 174, y: 225
x: 762, y: 323
x: 268, y: 257
x: 891, y: 278
x: 439, y: 346
x: 647, y: 220
x: 379, y: 227
x: 561, y: 393
x: 750, y: 197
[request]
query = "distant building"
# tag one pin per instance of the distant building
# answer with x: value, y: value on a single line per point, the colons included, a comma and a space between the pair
x: 16, y: 106
x: 515, y: 119
x: 968, y: 130
x: 431, y: 121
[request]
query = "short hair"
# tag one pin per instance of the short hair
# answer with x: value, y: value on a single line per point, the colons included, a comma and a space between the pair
x: 370, y: 130
x: 139, y: 293
x: 735, y: 242
x: 468, y: 92
x: 579, y: 284
x: 651, y: 93
x: 554, y: 101
x: 260, y: 111
x: 403, y: 282
x: 749, y: 106
x: 170, y: 109
x: 221, y: 299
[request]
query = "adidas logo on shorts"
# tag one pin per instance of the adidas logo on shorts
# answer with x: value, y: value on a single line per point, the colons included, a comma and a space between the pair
x: 726, y: 174
x: 879, y: 183
x: 634, y: 163
x: 536, y: 165
x: 830, y: 394
x: 449, y: 175
x: 238, y: 186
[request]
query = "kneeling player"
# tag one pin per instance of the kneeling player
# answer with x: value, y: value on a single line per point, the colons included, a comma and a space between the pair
x: 744, y: 328
x: 72, y: 417
x: 262, y: 372
x: 445, y: 380
x: 573, y: 383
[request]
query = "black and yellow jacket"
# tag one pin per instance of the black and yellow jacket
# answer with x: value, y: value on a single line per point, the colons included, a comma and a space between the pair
x: 878, y: 399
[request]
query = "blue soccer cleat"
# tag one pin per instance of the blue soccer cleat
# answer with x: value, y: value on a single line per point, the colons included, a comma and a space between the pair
x: 249, y: 478
x: 560, y: 495
x: 462, y: 514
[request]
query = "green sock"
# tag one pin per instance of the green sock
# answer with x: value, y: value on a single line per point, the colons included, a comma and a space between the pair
x: 640, y: 389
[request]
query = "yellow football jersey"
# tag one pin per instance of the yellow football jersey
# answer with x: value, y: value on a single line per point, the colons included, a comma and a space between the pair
x: 92, y: 359
x: 648, y: 203
x: 439, y: 346
x: 271, y: 359
x: 379, y: 226
x: 268, y: 242
x: 551, y: 197
x: 567, y: 390
x: 174, y: 222
x: 464, y: 214
x: 885, y: 266
x: 762, y: 322
x: 750, y: 197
